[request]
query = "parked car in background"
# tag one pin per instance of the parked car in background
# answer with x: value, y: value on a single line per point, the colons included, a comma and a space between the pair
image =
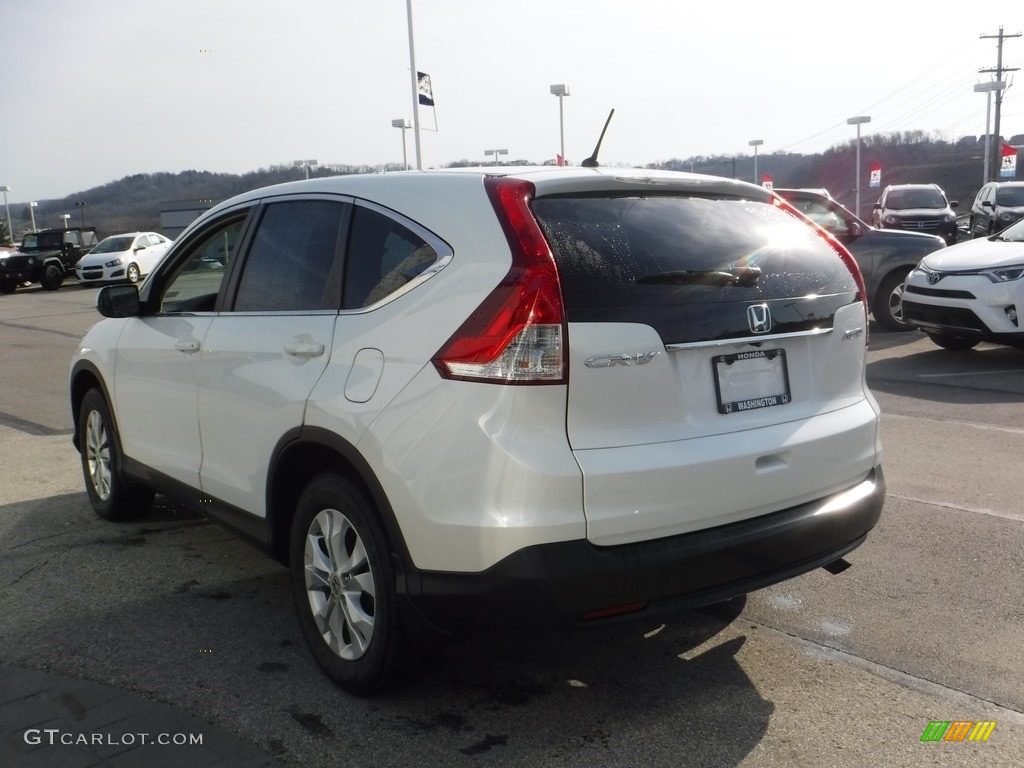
x: 493, y: 396
x: 997, y: 205
x: 884, y: 256
x: 971, y: 292
x: 46, y: 257
x: 917, y: 207
x: 127, y: 256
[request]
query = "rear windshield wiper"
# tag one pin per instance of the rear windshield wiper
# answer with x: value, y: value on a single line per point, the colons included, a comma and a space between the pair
x: 742, y: 276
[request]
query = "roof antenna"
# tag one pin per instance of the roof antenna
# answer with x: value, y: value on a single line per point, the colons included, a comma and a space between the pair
x: 591, y: 162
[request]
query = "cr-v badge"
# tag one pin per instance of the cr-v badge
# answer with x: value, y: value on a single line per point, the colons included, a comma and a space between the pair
x: 759, y: 318
x: 607, y: 361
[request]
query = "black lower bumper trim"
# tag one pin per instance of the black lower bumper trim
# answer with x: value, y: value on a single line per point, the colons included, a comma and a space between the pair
x: 563, y: 582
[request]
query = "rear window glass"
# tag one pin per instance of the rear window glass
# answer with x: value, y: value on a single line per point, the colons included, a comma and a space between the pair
x: 643, y: 251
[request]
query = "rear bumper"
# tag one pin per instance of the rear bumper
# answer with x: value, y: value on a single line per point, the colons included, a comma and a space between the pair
x: 562, y: 583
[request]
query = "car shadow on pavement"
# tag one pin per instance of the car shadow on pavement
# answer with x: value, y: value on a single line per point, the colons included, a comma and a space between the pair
x: 184, y: 613
x: 881, y: 339
x: 985, y: 374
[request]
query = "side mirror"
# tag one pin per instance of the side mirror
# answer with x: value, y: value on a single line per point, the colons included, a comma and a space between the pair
x: 118, y: 301
x: 953, y: 203
x: 877, y: 207
x: 137, y: 248
x: 986, y: 204
x: 854, y: 229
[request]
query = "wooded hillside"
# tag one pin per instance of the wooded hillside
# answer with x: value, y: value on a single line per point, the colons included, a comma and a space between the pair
x: 135, y: 202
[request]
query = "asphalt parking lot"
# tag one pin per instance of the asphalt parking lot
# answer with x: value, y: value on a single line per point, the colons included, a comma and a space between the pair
x: 174, y: 624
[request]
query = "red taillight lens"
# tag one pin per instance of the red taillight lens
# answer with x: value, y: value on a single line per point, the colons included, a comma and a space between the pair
x: 517, y: 335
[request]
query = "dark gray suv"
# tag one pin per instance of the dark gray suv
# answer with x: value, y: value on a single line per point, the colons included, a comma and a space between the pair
x: 917, y: 207
x: 884, y: 256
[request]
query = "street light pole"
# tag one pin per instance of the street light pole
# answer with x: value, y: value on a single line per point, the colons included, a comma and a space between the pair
x: 755, y: 143
x: 415, y: 88
x: 10, y: 232
x: 404, y: 124
x: 858, y: 121
x: 561, y: 90
x: 987, y: 88
x: 81, y: 210
x: 32, y: 213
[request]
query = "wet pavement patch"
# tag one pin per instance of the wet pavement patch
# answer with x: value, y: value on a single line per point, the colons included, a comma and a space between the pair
x: 484, y: 746
x: 310, y: 721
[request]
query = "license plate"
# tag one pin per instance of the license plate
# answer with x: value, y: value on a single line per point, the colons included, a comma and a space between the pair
x: 746, y: 381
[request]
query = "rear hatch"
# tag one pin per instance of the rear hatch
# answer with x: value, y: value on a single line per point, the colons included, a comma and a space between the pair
x: 716, y: 358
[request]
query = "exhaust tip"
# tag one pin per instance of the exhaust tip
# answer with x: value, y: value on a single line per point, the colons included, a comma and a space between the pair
x: 837, y: 566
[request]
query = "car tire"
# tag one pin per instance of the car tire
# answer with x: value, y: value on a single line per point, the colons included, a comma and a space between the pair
x: 112, y: 495
x: 888, y: 306
x: 51, y: 278
x: 133, y: 273
x: 343, y: 583
x: 954, y: 343
x: 8, y: 287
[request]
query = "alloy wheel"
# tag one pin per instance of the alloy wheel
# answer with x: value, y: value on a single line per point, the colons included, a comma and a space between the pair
x: 97, y: 452
x: 896, y: 303
x: 339, y: 584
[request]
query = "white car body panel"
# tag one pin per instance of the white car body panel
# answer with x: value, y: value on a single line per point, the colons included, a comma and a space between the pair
x: 154, y: 391
x: 656, y: 453
x: 257, y: 372
x: 976, y: 254
x: 522, y: 486
x: 643, y: 492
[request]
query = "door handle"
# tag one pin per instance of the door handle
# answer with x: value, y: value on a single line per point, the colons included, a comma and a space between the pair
x: 304, y: 348
x: 187, y: 345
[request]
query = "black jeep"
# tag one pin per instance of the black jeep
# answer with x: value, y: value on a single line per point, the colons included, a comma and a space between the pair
x: 46, y: 257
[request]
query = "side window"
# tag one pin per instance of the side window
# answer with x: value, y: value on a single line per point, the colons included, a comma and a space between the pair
x: 195, y: 286
x: 383, y: 255
x: 289, y: 266
x: 142, y: 242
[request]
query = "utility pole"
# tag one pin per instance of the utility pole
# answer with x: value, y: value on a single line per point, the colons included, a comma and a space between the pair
x: 998, y: 71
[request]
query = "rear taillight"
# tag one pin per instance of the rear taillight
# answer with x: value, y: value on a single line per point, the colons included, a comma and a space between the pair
x: 517, y: 335
x: 840, y: 249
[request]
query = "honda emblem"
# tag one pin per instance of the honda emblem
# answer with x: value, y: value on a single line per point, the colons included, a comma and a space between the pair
x: 760, y: 318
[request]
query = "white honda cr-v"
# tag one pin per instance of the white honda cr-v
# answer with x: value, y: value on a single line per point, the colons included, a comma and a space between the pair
x: 460, y: 398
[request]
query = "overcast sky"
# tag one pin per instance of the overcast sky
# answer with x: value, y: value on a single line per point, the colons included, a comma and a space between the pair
x: 94, y: 90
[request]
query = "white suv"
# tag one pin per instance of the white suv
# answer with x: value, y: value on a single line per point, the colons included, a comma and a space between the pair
x: 460, y: 398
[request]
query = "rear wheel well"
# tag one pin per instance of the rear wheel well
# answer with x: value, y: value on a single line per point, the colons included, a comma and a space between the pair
x: 295, y: 468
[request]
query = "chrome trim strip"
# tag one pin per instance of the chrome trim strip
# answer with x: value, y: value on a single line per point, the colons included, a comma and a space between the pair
x: 748, y: 339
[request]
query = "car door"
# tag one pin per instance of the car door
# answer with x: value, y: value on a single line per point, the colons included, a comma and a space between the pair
x: 158, y: 246
x: 159, y: 354
x: 987, y: 216
x: 264, y: 354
